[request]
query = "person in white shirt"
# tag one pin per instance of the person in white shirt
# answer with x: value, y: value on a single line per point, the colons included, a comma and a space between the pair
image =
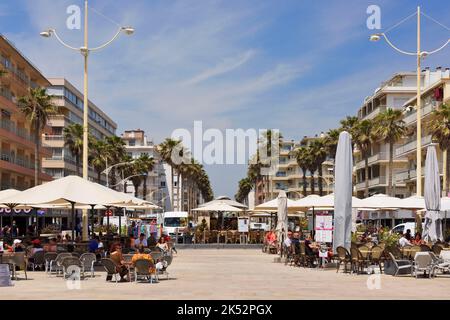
x: 288, y: 241
x: 404, y: 242
x: 141, y: 240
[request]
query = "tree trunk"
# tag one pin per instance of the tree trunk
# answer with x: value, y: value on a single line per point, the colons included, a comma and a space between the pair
x: 144, y: 191
x: 320, y: 180
x: 99, y: 177
x: 77, y: 164
x: 391, y: 165
x: 446, y: 164
x: 171, y: 190
x: 313, y: 189
x: 366, y: 174
x: 305, y: 183
x: 36, y: 154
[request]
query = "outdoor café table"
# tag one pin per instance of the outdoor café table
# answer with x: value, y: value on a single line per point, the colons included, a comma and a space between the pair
x: 406, y: 252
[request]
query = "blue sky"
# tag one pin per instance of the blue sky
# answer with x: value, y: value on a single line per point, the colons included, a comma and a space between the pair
x: 298, y: 66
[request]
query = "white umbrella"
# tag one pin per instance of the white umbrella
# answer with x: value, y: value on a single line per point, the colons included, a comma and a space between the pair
x: 224, y: 199
x: 324, y: 202
x: 413, y: 202
x: 71, y: 190
x: 282, y: 223
x: 343, y: 193
x: 433, y: 226
x: 218, y: 206
x: 272, y: 205
x: 381, y: 201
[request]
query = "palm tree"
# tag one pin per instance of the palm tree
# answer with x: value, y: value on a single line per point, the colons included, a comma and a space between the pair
x: 245, y: 187
x: 348, y: 124
x: 115, y: 152
x: 362, y: 136
x: 390, y: 127
x: 331, y: 140
x: 166, y: 150
x: 312, y: 167
x: 147, y: 164
x: 73, y: 140
x: 319, y: 155
x: 439, y: 127
x: 37, y: 106
x: 97, y: 157
x: 302, y: 157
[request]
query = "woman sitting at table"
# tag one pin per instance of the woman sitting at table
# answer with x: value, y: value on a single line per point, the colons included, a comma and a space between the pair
x: 141, y: 255
x: 417, y: 241
x: 162, y: 244
x: 121, y: 265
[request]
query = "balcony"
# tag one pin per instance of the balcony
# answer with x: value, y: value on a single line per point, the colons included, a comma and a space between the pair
x: 57, y: 121
x: 380, y: 156
x: 16, y: 159
x: 374, y: 182
x: 372, y: 114
x: 53, y: 141
x: 411, y: 146
x: 11, y: 127
x: 426, y: 110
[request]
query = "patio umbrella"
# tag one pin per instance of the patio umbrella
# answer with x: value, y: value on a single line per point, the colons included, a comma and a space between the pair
x: 432, y: 189
x: 226, y: 200
x: 343, y: 193
x: 272, y: 205
x: 218, y: 206
x: 282, y: 223
x: 381, y: 201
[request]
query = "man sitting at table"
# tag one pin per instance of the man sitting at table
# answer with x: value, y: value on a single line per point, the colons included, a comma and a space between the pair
x: 141, y: 255
x: 141, y: 240
x: 121, y: 265
x: 403, y: 241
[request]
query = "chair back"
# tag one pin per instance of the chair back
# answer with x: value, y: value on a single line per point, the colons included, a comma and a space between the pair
x: 364, y: 250
x: 157, y: 255
x: 424, y: 248
x: 393, y: 259
x: 50, y: 256
x: 19, y: 260
x: 377, y: 253
x: 356, y: 254
x: 109, y: 266
x: 168, y: 259
x: 71, y: 261
x: 87, y: 259
x: 75, y: 254
x: 61, y: 256
x: 434, y: 257
x: 39, y: 257
x: 436, y: 249
x: 396, y: 252
x: 422, y: 259
x: 142, y: 266
x: 342, y: 253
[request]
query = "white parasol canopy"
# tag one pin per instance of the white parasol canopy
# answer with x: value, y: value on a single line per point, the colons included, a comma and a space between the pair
x: 325, y: 202
x: 218, y: 206
x: 272, y: 205
x: 381, y: 201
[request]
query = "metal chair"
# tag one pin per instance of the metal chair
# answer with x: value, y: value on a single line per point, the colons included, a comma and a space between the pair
x: 70, y: 265
x: 49, y: 257
x: 55, y: 265
x: 400, y: 264
x: 37, y: 260
x: 87, y: 263
x: 423, y: 263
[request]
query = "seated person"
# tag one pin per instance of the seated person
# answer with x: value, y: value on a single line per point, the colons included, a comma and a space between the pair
x: 288, y: 241
x: 50, y: 246
x: 417, y: 239
x: 141, y: 240
x: 162, y: 244
x: 93, y: 245
x: 151, y: 241
x: 121, y: 264
x: 141, y: 255
x: 403, y: 241
x: 36, y: 248
x: 17, y: 246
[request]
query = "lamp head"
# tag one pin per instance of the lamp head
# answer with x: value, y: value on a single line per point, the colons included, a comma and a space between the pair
x: 128, y: 30
x: 424, y: 54
x: 375, y: 37
x: 46, y: 33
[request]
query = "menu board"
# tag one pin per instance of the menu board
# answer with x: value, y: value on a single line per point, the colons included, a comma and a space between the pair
x: 243, y: 224
x: 324, y: 228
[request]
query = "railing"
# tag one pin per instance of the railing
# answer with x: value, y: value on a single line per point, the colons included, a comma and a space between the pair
x: 53, y: 137
x: 372, y: 114
x: 15, y: 159
x: 412, y: 117
x: 376, y: 157
x: 412, y: 145
x: 10, y: 126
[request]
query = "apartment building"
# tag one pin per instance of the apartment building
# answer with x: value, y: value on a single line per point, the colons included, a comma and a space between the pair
x: 394, y: 93
x: 433, y: 95
x: 158, y: 192
x: 69, y: 101
x: 17, y: 136
x: 289, y: 176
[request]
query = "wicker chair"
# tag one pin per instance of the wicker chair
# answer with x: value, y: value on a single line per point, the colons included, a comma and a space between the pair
x: 69, y: 265
x: 377, y: 256
x: 142, y: 268
x: 110, y: 268
x: 343, y: 256
x: 358, y: 261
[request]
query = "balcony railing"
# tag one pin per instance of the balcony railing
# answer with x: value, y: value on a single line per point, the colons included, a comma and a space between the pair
x: 372, y: 159
x: 10, y: 126
x: 426, y: 109
x: 412, y: 145
x: 15, y: 159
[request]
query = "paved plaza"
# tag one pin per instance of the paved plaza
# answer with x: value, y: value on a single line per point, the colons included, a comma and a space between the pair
x: 233, y: 274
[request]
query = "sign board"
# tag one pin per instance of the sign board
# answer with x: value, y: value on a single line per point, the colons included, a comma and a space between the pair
x: 243, y: 224
x: 324, y: 228
x: 5, y: 278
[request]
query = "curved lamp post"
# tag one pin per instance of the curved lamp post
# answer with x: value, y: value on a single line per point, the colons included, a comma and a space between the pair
x: 85, y: 50
x: 419, y: 54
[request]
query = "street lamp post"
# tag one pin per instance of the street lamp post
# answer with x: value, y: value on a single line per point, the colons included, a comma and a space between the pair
x: 85, y: 50
x: 419, y: 54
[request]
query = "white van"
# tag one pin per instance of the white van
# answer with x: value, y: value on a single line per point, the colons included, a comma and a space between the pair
x: 174, y: 220
x: 402, y: 227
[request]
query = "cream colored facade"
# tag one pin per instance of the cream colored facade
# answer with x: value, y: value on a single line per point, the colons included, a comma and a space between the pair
x: 396, y: 94
x: 69, y: 101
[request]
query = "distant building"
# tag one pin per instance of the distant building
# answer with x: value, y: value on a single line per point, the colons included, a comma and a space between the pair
x: 17, y: 136
x: 69, y: 101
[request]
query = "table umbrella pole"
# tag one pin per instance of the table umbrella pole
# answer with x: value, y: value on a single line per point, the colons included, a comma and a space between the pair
x: 92, y: 221
x: 73, y: 220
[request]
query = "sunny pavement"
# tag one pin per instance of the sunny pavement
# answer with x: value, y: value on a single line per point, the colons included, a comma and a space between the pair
x: 234, y: 274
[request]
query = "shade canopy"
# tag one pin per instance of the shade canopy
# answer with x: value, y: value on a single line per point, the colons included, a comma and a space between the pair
x: 325, y: 202
x: 6, y: 194
x: 218, y: 206
x: 381, y: 201
x: 343, y: 192
x: 68, y: 190
x: 432, y: 230
x: 272, y: 205
x: 224, y: 199
x: 413, y: 202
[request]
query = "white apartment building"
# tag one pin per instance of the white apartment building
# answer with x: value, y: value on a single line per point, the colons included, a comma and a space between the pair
x: 69, y: 101
x: 394, y: 93
x: 158, y: 188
